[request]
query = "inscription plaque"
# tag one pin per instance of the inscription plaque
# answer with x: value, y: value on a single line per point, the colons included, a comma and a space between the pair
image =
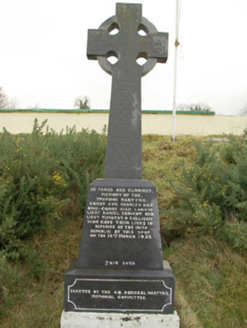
x: 133, y: 295
x: 124, y: 291
x: 121, y: 226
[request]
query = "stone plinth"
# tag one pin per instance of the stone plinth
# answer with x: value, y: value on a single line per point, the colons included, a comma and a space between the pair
x: 118, y: 320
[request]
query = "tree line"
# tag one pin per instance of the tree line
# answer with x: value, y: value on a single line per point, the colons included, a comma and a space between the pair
x: 6, y: 102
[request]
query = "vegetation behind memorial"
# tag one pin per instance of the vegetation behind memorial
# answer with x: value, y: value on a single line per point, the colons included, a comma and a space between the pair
x: 44, y: 178
x: 206, y: 188
x: 201, y: 190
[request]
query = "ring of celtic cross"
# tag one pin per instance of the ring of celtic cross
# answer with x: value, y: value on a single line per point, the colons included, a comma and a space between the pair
x: 109, y: 25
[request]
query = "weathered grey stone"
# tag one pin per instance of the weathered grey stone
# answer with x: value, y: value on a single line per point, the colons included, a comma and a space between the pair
x: 123, y: 156
x: 121, y: 225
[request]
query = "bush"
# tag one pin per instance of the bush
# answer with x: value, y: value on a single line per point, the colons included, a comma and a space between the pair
x: 211, y: 192
x: 40, y: 174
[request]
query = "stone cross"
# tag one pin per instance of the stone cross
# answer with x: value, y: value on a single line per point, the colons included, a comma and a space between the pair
x: 123, y: 154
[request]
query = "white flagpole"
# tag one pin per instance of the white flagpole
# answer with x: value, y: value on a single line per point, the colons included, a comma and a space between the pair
x: 175, y: 70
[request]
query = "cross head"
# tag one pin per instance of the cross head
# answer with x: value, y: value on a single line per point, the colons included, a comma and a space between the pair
x: 127, y: 36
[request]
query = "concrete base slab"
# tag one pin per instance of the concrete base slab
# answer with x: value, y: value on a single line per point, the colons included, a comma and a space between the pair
x: 118, y: 320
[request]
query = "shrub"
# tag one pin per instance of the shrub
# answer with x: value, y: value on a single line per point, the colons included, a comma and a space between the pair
x: 40, y: 174
x: 211, y: 192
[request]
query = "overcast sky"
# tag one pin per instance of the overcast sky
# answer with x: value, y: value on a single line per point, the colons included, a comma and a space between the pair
x: 43, y: 53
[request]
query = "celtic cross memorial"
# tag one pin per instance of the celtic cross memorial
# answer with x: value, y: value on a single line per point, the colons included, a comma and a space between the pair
x: 120, y: 268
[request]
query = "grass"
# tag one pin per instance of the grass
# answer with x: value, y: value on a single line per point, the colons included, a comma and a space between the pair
x: 40, y: 286
x: 211, y: 277
x: 211, y: 284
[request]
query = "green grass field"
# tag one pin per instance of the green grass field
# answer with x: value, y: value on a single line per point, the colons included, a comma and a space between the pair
x: 211, y: 273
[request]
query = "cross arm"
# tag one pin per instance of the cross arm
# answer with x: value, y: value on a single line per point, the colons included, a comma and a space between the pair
x: 99, y: 43
x: 155, y: 46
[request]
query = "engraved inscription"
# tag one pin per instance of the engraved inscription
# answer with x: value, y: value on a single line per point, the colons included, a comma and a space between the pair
x: 121, y: 216
x: 120, y: 295
x: 120, y: 213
